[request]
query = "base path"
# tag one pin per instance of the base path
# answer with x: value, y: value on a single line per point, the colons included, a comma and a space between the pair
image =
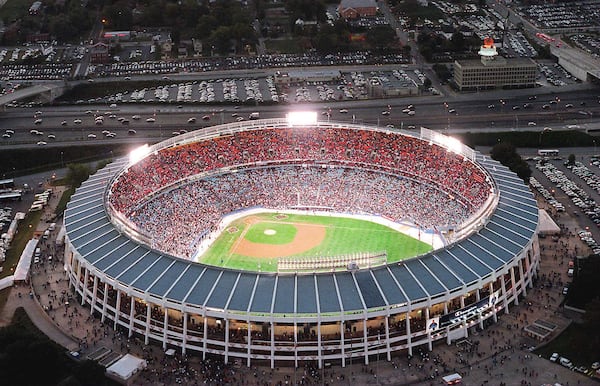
x: 307, y: 236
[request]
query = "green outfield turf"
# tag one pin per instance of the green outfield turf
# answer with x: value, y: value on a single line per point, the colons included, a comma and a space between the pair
x: 342, y: 236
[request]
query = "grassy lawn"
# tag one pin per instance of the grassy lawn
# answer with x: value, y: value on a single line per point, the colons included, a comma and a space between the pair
x: 343, y: 236
x: 64, y: 199
x: 284, y: 233
x: 24, y: 234
x: 289, y: 46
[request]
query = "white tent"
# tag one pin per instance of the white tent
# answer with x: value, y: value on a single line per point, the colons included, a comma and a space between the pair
x: 547, y: 226
x: 24, y: 263
x: 126, y: 367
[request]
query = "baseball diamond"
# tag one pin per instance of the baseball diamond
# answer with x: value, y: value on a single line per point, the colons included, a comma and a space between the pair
x: 180, y: 243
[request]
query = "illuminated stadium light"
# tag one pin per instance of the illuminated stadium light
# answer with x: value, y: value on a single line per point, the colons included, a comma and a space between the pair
x: 138, y: 153
x: 450, y: 143
x: 301, y: 118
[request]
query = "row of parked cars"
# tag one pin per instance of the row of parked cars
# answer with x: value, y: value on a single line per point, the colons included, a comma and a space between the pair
x: 558, y: 206
x: 556, y: 357
x: 578, y: 196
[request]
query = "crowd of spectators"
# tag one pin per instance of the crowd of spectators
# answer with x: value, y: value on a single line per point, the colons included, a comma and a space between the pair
x: 409, y: 180
x: 197, y: 207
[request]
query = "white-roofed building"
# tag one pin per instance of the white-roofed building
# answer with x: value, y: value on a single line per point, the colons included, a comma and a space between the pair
x: 125, y: 369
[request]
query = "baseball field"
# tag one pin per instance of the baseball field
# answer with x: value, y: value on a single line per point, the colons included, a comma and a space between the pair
x: 256, y: 242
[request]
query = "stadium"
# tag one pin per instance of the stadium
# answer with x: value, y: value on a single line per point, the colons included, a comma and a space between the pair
x: 289, y: 241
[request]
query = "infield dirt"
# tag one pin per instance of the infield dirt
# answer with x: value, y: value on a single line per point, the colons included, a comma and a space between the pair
x: 307, y: 237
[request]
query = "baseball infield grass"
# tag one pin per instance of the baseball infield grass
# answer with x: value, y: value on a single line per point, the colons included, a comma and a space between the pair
x: 342, y: 236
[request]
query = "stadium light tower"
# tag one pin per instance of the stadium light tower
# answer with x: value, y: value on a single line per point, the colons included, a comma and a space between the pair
x: 302, y: 118
x: 138, y: 153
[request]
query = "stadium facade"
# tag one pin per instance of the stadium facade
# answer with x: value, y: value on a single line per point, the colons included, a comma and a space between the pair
x: 295, y: 317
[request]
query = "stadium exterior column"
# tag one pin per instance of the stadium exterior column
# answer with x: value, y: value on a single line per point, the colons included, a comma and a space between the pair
x: 514, y: 283
x: 478, y: 298
x: 408, y: 337
x: 117, y: 309
x: 104, y: 302
x: 503, y: 287
x: 185, y: 332
x: 165, y: 328
x: 445, y: 307
x: 495, y: 313
x: 272, y: 344
x: 366, y: 340
x: 205, y: 336
x: 429, y: 345
x: 148, y: 316
x: 295, y: 345
x: 226, y: 340
x: 319, y: 348
x: 76, y: 284
x: 523, y: 281
x: 342, y: 343
x: 462, y: 301
x: 131, y: 314
x: 248, y: 343
x: 94, y: 295
x: 387, y: 337
x: 84, y: 287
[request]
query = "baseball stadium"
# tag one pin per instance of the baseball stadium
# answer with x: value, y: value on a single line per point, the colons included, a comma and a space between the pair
x: 291, y: 240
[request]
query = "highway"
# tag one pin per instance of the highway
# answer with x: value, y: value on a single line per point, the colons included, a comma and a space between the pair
x: 576, y: 107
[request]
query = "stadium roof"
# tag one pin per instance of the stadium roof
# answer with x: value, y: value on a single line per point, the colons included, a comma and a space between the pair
x: 507, y: 233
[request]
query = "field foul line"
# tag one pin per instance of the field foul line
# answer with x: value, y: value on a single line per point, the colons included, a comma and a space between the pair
x: 239, y: 239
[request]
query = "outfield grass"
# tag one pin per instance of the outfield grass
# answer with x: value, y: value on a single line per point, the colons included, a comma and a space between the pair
x: 343, y: 236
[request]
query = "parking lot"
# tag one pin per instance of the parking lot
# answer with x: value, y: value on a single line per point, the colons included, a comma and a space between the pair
x: 350, y: 86
x: 562, y: 15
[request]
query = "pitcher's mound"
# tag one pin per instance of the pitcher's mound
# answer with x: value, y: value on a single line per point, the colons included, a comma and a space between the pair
x: 270, y: 232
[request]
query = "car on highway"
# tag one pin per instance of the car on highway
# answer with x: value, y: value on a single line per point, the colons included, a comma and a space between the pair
x: 206, y: 117
x: 51, y: 136
x: 136, y: 117
x: 343, y: 111
x: 38, y: 121
x: 91, y: 136
x: 531, y: 123
x: 6, y: 135
x: 77, y: 121
x: 554, y: 357
x: 63, y: 123
x: 131, y: 132
x: 191, y: 120
x: 385, y: 112
x: 33, y: 132
x: 150, y: 120
x: 42, y: 143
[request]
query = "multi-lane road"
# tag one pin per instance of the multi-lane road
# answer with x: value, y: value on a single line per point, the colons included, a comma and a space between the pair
x: 575, y: 108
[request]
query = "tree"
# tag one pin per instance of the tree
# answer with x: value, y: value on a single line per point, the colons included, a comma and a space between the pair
x: 571, y: 159
x: 381, y: 36
x: 77, y: 173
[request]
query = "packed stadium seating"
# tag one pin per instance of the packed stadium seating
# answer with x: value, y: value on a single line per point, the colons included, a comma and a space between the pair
x: 344, y: 170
